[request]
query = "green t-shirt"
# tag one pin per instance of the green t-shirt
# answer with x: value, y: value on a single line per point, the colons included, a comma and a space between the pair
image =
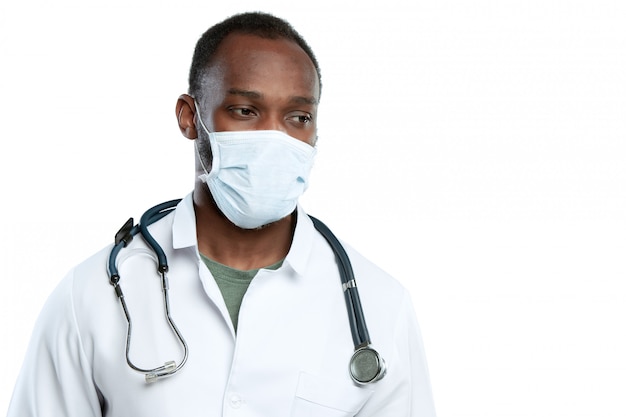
x: 233, y: 284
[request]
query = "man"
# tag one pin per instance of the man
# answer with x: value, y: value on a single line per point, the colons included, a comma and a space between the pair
x: 254, y: 289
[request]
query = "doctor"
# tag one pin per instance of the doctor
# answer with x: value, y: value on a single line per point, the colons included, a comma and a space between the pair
x: 254, y: 289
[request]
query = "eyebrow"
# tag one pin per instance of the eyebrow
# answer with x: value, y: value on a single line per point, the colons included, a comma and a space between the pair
x: 304, y: 100
x: 245, y: 93
x: 257, y: 96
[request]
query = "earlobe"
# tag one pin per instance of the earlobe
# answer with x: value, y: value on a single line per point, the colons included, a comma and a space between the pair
x: 185, y: 113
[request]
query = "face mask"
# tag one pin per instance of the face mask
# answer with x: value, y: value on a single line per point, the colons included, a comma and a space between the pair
x: 257, y: 176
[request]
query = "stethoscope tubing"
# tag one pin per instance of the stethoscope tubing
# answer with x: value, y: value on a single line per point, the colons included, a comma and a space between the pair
x: 150, y: 216
x: 360, y: 335
x: 356, y: 317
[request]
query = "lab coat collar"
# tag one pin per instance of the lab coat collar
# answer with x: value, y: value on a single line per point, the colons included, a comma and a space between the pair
x: 184, y: 234
x: 184, y: 225
x: 302, y: 244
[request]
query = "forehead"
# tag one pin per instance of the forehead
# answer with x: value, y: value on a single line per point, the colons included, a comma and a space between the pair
x: 254, y: 63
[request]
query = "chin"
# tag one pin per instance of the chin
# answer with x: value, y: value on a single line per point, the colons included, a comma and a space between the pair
x: 264, y: 226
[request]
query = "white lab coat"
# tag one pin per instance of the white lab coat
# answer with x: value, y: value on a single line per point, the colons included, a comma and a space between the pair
x: 289, y: 358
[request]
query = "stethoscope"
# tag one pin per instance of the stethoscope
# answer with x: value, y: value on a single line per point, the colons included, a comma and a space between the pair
x: 366, y: 364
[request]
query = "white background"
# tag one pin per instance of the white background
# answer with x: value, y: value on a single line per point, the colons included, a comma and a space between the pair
x: 474, y: 149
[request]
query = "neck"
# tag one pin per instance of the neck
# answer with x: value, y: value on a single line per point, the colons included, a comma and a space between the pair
x: 220, y: 240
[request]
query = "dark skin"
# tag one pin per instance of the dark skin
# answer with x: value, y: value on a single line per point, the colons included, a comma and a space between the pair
x: 252, y: 84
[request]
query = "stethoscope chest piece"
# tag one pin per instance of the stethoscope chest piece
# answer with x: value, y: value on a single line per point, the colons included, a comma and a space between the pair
x: 367, y: 366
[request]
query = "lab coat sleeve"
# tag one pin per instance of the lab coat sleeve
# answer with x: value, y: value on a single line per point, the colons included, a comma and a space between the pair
x: 405, y: 391
x: 422, y: 403
x: 55, y: 379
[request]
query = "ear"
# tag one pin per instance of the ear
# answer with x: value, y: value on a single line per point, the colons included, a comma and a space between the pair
x: 185, y: 113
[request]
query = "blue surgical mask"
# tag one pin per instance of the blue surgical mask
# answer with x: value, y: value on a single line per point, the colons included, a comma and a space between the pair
x: 257, y: 176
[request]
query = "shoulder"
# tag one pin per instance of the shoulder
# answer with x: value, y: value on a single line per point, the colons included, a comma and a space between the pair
x: 371, y: 277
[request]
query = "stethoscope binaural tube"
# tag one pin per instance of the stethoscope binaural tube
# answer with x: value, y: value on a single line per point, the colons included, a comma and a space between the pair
x: 122, y: 239
x: 366, y: 364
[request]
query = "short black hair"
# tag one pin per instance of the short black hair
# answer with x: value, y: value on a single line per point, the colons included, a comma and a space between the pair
x: 252, y: 23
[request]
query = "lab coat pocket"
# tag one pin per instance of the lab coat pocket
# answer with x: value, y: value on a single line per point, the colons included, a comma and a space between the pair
x: 319, y: 397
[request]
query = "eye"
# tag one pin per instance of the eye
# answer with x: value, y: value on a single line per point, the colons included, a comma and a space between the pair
x: 243, y: 112
x: 301, y: 118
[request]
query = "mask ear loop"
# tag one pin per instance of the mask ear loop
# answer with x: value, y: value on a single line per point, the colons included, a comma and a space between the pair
x: 200, y: 117
x: 203, y: 177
